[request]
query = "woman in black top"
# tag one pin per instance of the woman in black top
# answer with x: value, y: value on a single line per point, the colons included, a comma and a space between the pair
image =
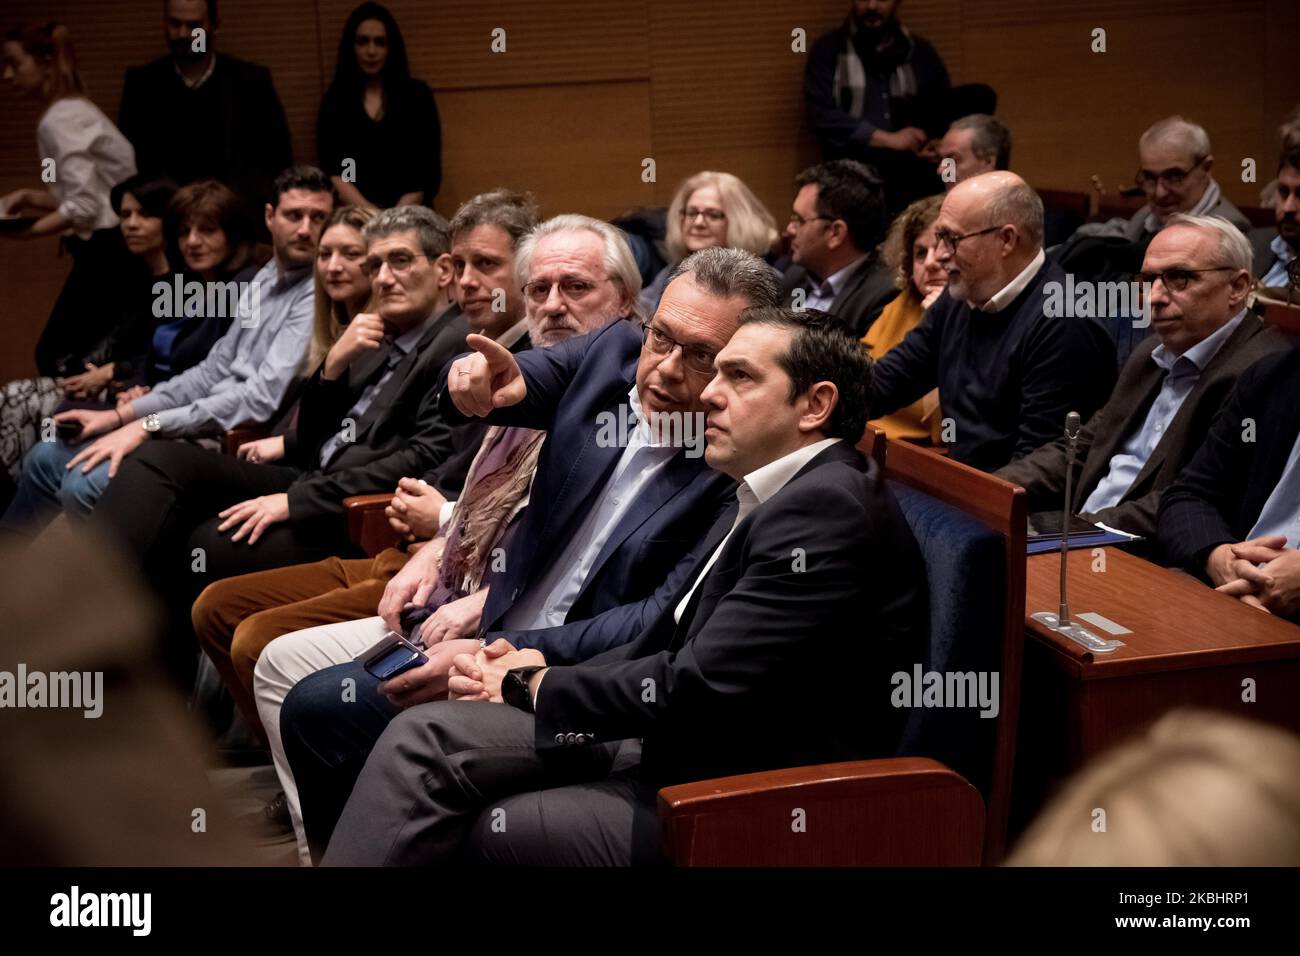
x: 378, y: 132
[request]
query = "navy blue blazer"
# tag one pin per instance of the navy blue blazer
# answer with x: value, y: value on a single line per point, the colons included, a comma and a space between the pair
x: 569, y: 386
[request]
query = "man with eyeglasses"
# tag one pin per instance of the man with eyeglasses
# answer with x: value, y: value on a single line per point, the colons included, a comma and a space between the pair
x: 1276, y: 247
x: 1197, y: 277
x: 836, y: 225
x: 1007, y: 372
x: 366, y: 418
x: 1174, y: 171
x: 612, y: 511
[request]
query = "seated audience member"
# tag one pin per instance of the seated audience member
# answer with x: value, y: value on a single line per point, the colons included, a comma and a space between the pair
x: 574, y: 754
x: 199, y: 114
x: 235, y: 618
x: 583, y: 571
x: 242, y: 379
x: 1230, y: 518
x: 710, y: 209
x: 378, y: 132
x: 871, y: 87
x: 1171, y: 387
x: 366, y: 418
x: 1194, y: 789
x: 974, y: 144
x: 139, y: 204
x: 1007, y: 371
x: 87, y: 156
x: 1174, y: 171
x: 911, y: 252
x: 837, y: 221
x: 1275, y: 249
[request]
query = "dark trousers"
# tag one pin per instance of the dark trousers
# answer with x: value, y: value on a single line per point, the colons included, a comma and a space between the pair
x: 456, y: 781
x: 83, y: 314
x: 162, y: 507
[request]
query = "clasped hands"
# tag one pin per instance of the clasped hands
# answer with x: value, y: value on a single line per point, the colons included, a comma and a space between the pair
x: 1261, y: 572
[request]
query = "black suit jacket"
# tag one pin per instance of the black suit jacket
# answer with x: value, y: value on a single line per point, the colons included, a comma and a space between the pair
x: 868, y: 290
x: 784, y: 654
x: 1042, y: 473
x: 1218, y: 497
x: 247, y: 143
x: 1261, y: 238
x: 401, y: 435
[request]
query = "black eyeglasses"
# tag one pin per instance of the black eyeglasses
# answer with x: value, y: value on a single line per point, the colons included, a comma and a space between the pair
x: 694, y: 357
x: 950, y: 240
x: 799, y: 221
x: 1175, y: 280
x: 399, y: 263
x: 690, y: 214
x: 1173, y: 178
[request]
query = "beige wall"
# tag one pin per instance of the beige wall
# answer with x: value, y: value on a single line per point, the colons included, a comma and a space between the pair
x: 587, y: 89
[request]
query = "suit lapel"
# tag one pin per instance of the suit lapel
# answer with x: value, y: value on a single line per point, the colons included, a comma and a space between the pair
x: 1137, y: 399
x: 720, y: 529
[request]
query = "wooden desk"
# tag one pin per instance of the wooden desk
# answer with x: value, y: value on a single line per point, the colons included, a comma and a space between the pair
x: 1189, y: 646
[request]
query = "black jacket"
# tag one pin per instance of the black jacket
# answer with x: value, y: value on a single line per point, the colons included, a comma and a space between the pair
x: 868, y: 290
x: 784, y: 654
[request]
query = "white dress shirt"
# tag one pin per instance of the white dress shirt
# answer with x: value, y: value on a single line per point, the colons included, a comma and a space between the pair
x: 90, y: 156
x: 547, y: 601
x: 758, y: 486
x: 1003, y: 297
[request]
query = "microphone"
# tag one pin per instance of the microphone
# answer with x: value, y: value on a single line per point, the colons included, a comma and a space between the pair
x: 1060, y: 621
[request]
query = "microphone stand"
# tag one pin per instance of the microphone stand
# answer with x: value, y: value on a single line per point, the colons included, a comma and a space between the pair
x: 1060, y: 622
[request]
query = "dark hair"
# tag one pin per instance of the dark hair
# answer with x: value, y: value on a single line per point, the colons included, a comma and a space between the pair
x: 153, y: 193
x: 348, y: 79
x: 210, y: 201
x: 513, y: 212
x: 1290, y: 157
x: 849, y: 190
x: 300, y: 177
x: 823, y: 349
x: 212, y: 10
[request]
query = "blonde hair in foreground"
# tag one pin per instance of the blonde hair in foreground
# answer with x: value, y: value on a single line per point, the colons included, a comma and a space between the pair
x: 1195, y: 789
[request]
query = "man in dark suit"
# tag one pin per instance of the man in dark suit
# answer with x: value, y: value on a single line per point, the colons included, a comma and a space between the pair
x: 812, y: 560
x: 836, y: 225
x: 1008, y: 369
x: 1230, y: 518
x: 367, y: 418
x: 1275, y: 248
x: 199, y: 114
x: 1170, y: 388
x: 620, y: 495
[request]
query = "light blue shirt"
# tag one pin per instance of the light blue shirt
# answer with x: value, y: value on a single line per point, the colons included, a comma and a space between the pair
x: 1281, y: 512
x: 397, y: 350
x: 1276, y: 275
x: 1182, y: 372
x: 547, y: 601
x: 245, y: 375
x: 822, y: 295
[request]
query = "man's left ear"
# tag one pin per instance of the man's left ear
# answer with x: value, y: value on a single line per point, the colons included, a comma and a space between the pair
x: 445, y: 270
x: 269, y: 214
x: 1239, y: 287
x: 822, y: 399
x: 1208, y: 164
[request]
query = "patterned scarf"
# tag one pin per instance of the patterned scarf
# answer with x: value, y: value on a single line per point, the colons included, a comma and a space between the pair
x: 891, y: 58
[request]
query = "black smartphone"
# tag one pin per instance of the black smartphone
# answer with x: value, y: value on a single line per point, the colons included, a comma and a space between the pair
x: 68, y: 429
x: 390, y: 656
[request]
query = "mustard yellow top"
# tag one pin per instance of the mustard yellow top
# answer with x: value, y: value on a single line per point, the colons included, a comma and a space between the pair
x: 920, y: 421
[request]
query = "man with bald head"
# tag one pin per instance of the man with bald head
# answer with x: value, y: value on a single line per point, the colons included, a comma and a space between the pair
x: 1007, y: 372
x: 1171, y: 387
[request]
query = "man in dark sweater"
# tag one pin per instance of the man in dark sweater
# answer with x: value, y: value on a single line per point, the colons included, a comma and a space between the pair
x: 1007, y: 367
x: 199, y: 114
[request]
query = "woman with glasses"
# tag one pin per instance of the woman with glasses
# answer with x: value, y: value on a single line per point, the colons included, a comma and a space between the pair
x: 710, y: 209
x: 910, y: 252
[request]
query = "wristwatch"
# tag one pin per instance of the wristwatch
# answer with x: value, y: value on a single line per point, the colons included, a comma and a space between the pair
x: 152, y: 424
x: 514, y: 688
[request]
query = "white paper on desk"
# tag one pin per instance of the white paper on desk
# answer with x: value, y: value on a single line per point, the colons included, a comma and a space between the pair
x: 1105, y: 623
x: 1106, y: 527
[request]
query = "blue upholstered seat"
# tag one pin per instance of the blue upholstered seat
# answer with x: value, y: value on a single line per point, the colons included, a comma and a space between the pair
x: 965, y: 564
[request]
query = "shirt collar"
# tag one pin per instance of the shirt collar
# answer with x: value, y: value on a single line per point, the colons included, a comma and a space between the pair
x: 411, y: 337
x: 1000, y: 299
x: 1203, y: 352
x: 1281, y: 248
x: 836, y: 282
x: 203, y: 77
x: 662, y: 435
x: 762, y: 483
x: 510, y: 336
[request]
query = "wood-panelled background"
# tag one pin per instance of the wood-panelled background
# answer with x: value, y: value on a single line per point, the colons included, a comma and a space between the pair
x: 587, y: 89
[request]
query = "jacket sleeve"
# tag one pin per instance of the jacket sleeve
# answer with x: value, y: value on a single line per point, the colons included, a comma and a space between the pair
x: 1042, y: 471
x: 772, y: 613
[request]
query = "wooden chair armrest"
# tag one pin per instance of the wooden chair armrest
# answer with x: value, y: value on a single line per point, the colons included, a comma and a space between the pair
x: 240, y: 434
x: 899, y: 811
x: 367, y: 525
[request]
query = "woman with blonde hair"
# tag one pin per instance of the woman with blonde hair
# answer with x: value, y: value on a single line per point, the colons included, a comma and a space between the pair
x: 710, y: 209
x: 909, y: 251
x: 83, y: 156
